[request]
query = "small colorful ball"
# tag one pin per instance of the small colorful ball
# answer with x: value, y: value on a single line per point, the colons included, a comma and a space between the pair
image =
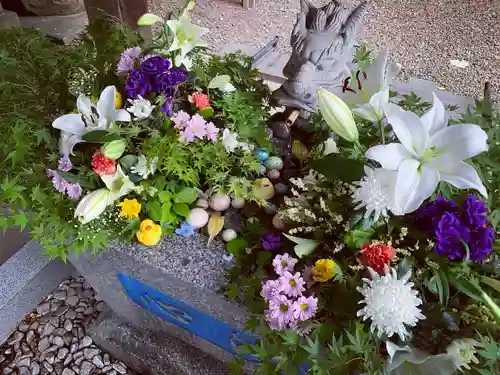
x: 270, y: 208
x: 278, y: 222
x: 273, y: 174
x: 229, y: 235
x: 274, y: 162
x: 262, y: 170
x: 261, y: 154
x: 237, y: 203
x: 220, y: 202
x: 197, y: 218
x: 280, y: 188
x: 203, y: 203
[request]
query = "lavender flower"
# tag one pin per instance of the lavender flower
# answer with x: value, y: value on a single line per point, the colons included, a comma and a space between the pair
x: 281, y: 310
x: 74, y: 191
x: 181, y: 120
x: 185, y: 230
x: 138, y: 84
x: 305, y: 308
x: 270, y: 289
x: 292, y: 284
x: 58, y: 182
x: 284, y: 263
x: 474, y: 212
x: 271, y: 241
x: 127, y: 60
x: 65, y: 164
x: 155, y: 65
x: 451, y: 235
x: 274, y: 324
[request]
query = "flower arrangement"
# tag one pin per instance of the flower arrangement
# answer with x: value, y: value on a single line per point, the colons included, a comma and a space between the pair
x: 393, y: 229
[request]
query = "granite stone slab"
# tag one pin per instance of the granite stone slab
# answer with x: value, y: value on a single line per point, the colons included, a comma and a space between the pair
x: 26, y: 278
x: 152, y: 353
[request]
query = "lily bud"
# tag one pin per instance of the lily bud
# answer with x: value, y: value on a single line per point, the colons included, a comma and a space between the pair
x: 114, y: 149
x: 337, y: 115
x: 149, y: 19
x: 92, y: 205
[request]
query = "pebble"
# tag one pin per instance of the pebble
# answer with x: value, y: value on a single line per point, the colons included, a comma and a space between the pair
x: 97, y: 360
x: 106, y: 359
x: 30, y: 336
x: 87, y: 368
x: 43, y: 345
x: 63, y: 352
x: 43, y: 309
x: 68, y: 371
x: 23, y: 327
x: 54, y: 306
x: 119, y: 367
x: 60, y: 295
x: 48, y: 366
x: 54, y: 321
x: 47, y: 329
x: 68, y: 359
x: 101, y: 306
x: 62, y: 310
x: 25, y: 362
x: 91, y: 353
x: 68, y: 326
x: 73, y: 348
x: 72, y: 301
x: 280, y: 188
x: 15, y: 338
x: 86, y: 341
x: 71, y: 314
x: 58, y: 340
x: 35, y: 368
x: 24, y: 371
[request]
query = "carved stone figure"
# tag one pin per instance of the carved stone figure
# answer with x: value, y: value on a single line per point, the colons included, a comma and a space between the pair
x: 54, y: 7
x: 322, y: 41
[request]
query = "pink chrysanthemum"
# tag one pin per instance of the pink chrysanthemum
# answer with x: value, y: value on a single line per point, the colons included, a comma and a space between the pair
x: 187, y: 135
x: 305, y: 308
x: 281, y: 309
x: 127, y: 60
x: 212, y: 131
x: 197, y: 124
x: 292, y: 284
x: 181, y: 120
x: 284, y: 263
x: 270, y: 289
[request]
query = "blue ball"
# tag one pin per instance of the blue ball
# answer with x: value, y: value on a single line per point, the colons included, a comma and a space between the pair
x: 261, y: 154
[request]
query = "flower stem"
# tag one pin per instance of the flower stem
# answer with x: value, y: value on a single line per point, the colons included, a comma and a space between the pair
x: 382, y: 132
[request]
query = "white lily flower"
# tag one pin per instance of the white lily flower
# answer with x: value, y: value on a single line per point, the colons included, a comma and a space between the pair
x: 141, y: 108
x: 337, y: 115
x: 463, y: 352
x: 330, y: 147
x: 429, y: 151
x: 230, y: 140
x: 369, y: 93
x: 92, y: 205
x: 118, y: 185
x: 186, y: 35
x: 90, y: 117
x: 222, y: 82
x: 183, y: 60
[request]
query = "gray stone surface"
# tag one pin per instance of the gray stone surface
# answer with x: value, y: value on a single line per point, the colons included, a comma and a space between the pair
x: 149, y: 352
x: 25, y: 279
x: 183, y: 268
x: 63, y: 29
x: 54, y: 7
x: 7, y: 19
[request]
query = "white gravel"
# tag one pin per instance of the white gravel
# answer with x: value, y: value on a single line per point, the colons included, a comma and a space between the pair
x: 423, y: 36
x: 53, y: 339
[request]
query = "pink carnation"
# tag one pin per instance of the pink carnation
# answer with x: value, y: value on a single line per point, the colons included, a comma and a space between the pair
x: 102, y: 165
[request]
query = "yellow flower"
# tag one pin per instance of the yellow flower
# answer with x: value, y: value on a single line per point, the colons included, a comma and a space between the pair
x: 118, y: 100
x: 130, y: 208
x: 149, y: 233
x: 324, y: 270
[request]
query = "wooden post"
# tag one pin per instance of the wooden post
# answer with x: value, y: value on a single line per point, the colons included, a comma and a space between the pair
x: 127, y: 11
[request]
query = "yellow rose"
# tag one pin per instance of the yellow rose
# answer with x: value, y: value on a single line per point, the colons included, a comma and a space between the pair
x: 130, y: 208
x: 324, y: 270
x: 149, y: 233
x: 118, y: 100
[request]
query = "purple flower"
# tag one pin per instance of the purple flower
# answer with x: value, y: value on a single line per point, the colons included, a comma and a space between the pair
x: 284, y: 263
x: 185, y: 230
x: 292, y: 284
x: 138, y: 84
x: 481, y: 243
x: 58, y: 182
x: 305, y: 308
x: 167, y: 81
x: 128, y: 60
x: 281, y: 309
x: 474, y: 212
x: 429, y: 215
x: 155, y: 65
x: 270, y: 289
x: 74, y: 191
x: 65, y: 164
x: 274, y: 324
x: 271, y: 241
x: 181, y: 119
x: 451, y: 235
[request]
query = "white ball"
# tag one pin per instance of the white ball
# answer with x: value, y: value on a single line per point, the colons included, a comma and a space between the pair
x: 220, y: 202
x: 203, y: 203
x: 229, y: 235
x: 197, y: 218
x: 237, y: 203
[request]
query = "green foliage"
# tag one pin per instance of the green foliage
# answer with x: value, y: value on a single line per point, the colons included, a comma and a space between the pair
x: 363, y: 56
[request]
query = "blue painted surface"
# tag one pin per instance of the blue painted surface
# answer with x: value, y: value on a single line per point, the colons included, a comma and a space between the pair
x: 187, y: 317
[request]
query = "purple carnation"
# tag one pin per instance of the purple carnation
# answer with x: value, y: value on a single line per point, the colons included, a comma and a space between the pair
x: 429, y: 215
x: 65, y: 164
x: 155, y: 65
x: 74, y: 191
x: 138, y: 84
x: 271, y: 241
x: 481, y: 243
x: 474, y: 212
x: 167, y: 80
x: 451, y: 235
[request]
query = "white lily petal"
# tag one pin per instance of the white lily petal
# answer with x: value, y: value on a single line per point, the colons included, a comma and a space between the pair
x: 408, y: 128
x: 366, y: 112
x: 379, y: 101
x: 122, y: 115
x: 389, y: 156
x: 352, y: 99
x: 84, y: 105
x: 376, y: 73
x: 458, y: 142
x: 70, y: 123
x: 415, y: 183
x: 67, y: 142
x: 435, y: 119
x: 463, y: 176
x: 106, y: 103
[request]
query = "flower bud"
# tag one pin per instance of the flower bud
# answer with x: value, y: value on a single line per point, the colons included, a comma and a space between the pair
x: 92, y: 205
x: 337, y: 115
x: 114, y: 149
x: 149, y: 19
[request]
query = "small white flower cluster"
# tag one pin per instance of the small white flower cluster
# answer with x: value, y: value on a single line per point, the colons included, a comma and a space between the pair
x: 80, y: 82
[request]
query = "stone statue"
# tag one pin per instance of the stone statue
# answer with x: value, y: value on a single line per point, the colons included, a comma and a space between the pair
x: 322, y: 41
x: 54, y: 7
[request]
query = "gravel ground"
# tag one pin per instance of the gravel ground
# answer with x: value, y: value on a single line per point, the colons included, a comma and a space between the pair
x: 422, y: 35
x: 53, y: 339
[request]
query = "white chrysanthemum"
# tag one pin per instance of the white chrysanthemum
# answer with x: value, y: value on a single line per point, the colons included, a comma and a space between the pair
x: 391, y: 303
x: 463, y: 351
x: 375, y: 192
